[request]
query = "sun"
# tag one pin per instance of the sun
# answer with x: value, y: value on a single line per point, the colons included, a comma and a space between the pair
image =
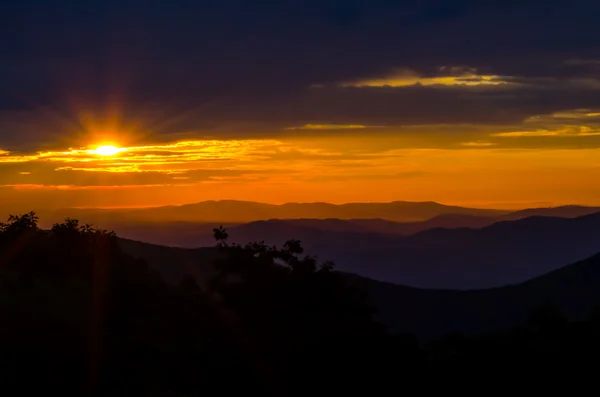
x: 107, y: 150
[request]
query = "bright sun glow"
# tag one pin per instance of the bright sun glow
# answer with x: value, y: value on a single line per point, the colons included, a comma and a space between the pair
x: 106, y: 150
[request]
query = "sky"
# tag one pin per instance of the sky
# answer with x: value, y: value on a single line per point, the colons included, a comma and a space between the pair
x: 487, y: 104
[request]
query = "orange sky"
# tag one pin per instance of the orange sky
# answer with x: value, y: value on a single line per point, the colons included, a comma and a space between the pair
x: 483, y: 169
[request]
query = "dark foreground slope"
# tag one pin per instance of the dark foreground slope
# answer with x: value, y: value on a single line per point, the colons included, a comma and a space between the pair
x: 573, y: 289
x: 173, y: 263
x: 429, y: 313
x: 82, y: 317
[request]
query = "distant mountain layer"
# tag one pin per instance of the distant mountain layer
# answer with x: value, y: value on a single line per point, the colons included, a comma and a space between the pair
x: 450, y: 221
x: 228, y: 211
x: 428, y: 313
x: 190, y: 225
x: 195, y: 234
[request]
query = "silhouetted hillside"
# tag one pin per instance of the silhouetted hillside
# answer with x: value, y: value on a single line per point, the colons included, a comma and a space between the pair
x: 449, y: 221
x: 500, y: 254
x: 174, y: 263
x: 433, y: 313
x: 380, y: 226
x: 192, y: 235
x: 566, y: 211
x: 172, y: 234
x: 329, y: 224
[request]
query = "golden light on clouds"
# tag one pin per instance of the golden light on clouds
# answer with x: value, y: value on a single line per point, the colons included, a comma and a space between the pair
x: 455, y: 167
x: 478, y: 144
x: 448, y: 76
x: 569, y: 131
x: 170, y: 158
x: 332, y: 127
x: 516, y: 134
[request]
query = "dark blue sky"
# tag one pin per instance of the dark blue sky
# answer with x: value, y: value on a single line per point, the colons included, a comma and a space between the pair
x: 239, y: 68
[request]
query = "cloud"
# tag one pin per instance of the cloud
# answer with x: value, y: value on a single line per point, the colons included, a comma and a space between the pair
x: 516, y: 134
x: 576, y: 131
x: 449, y: 76
x: 587, y: 131
x: 568, y: 123
x: 478, y: 144
x: 184, y: 163
x: 76, y: 187
x: 331, y: 127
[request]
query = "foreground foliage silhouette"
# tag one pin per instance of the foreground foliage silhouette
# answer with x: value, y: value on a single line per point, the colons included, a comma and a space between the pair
x: 81, y: 317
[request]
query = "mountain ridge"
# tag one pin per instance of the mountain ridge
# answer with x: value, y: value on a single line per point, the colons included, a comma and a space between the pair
x: 233, y: 211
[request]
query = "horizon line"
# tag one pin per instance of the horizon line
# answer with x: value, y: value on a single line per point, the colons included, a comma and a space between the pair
x: 501, y: 206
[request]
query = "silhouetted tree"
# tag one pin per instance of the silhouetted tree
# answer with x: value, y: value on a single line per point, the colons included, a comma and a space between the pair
x: 301, y: 314
x: 18, y: 223
x: 220, y: 235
